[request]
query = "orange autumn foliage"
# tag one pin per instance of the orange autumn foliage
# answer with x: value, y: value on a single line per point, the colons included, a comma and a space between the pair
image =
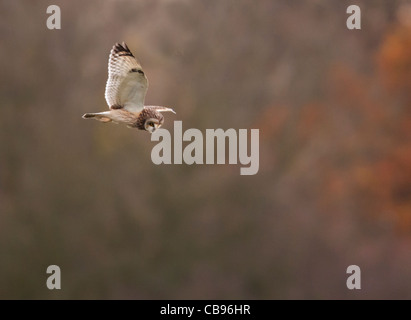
x: 363, y: 128
x: 394, y: 61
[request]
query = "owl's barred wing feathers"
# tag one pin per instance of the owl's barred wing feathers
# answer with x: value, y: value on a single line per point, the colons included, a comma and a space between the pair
x: 126, y: 84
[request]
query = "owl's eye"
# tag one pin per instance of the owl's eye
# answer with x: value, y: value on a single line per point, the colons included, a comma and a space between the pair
x: 152, y: 124
x: 141, y: 72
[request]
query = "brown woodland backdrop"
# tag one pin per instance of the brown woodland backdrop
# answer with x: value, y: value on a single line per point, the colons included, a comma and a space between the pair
x: 334, y: 187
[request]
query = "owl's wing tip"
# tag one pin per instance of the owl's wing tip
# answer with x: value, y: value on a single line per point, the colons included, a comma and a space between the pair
x: 121, y: 49
x: 161, y: 109
x: 169, y: 110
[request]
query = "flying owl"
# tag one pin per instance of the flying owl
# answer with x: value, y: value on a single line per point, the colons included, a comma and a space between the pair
x: 125, y: 92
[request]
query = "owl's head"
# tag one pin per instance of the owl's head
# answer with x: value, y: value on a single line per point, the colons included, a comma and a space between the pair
x: 152, y: 124
x: 150, y: 119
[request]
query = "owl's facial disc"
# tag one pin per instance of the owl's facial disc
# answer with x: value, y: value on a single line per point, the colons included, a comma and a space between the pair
x: 152, y: 125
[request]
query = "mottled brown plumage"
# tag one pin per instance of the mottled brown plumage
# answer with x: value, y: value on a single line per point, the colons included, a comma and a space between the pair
x: 125, y: 92
x: 148, y: 113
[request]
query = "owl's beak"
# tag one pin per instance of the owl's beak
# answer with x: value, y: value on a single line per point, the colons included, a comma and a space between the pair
x: 153, y: 129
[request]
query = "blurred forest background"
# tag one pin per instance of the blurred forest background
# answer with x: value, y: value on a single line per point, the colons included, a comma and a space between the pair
x: 334, y: 188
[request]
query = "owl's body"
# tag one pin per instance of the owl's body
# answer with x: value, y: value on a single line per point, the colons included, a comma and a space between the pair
x: 125, y: 92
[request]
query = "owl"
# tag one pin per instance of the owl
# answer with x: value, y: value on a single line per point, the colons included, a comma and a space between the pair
x: 125, y: 92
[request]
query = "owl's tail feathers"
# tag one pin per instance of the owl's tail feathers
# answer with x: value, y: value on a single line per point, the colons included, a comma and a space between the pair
x: 98, y: 116
x: 88, y: 115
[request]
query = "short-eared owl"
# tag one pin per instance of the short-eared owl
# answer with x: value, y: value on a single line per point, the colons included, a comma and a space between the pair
x: 125, y: 91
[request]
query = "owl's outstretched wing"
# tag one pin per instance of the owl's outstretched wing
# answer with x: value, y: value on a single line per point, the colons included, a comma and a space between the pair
x: 126, y: 84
